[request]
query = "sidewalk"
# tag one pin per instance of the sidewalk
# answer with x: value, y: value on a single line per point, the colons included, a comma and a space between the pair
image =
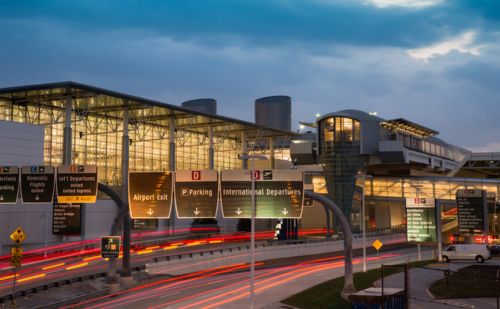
x: 420, y: 297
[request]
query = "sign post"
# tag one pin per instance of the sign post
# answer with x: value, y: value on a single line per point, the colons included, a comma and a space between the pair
x: 9, y: 184
x: 16, y: 252
x: 77, y: 184
x: 37, y: 184
x: 472, y: 212
x: 196, y: 194
x: 278, y: 194
x: 150, y: 194
x: 110, y: 246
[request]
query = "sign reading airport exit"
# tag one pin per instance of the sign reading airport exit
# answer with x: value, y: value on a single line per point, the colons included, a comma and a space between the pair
x: 278, y: 193
x: 77, y: 183
x: 150, y: 194
x: 196, y: 193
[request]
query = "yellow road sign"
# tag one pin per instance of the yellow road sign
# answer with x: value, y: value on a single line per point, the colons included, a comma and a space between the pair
x: 18, y: 236
x: 377, y: 244
x: 16, y: 256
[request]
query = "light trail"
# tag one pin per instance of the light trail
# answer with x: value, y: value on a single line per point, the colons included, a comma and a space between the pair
x: 53, y: 266
x: 31, y: 278
x: 77, y: 266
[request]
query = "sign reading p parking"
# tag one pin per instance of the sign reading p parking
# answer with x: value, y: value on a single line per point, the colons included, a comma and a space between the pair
x: 196, y: 194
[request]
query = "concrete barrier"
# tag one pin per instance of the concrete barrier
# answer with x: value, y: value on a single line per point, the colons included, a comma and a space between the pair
x: 210, y: 259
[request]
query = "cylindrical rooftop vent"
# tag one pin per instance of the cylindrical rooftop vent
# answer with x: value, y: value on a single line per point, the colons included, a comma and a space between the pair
x: 207, y: 106
x: 274, y: 112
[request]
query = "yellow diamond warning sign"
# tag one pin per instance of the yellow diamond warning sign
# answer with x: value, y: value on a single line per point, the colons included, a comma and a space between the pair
x: 377, y: 244
x: 18, y: 236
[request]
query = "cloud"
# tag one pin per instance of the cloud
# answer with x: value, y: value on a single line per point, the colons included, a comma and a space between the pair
x: 462, y: 44
x: 490, y: 147
x: 412, y: 4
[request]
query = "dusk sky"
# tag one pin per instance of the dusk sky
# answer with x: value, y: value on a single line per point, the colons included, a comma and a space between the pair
x: 434, y: 62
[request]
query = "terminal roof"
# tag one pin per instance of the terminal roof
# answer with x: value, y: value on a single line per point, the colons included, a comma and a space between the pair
x: 401, y: 124
x: 90, y: 100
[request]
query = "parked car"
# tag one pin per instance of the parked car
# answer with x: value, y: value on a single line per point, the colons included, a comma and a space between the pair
x: 466, y: 252
x: 494, y: 249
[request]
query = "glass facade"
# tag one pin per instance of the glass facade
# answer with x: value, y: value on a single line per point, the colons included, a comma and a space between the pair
x: 97, y: 128
x: 339, y: 153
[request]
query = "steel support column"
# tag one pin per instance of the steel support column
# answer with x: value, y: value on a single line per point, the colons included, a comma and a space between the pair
x: 211, y: 162
x: 126, y: 218
x: 67, y: 133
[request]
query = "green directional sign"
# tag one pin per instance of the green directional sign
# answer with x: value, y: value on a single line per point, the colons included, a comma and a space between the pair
x: 196, y: 194
x: 278, y: 193
x: 150, y: 194
x: 421, y: 219
x: 37, y: 184
x: 9, y: 188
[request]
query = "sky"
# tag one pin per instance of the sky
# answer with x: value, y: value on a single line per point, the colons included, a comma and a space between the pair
x: 434, y: 62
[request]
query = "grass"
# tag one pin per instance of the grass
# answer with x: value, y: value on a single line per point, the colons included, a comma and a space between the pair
x: 462, y: 284
x: 327, y: 294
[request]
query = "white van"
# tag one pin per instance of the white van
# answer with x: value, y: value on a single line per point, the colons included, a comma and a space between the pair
x: 466, y: 252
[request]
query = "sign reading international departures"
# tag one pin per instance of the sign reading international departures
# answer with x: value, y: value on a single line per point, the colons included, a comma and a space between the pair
x: 421, y: 219
x: 472, y: 212
x: 196, y: 194
x: 77, y: 183
x: 278, y: 193
x: 9, y: 184
x: 37, y: 184
x: 150, y: 194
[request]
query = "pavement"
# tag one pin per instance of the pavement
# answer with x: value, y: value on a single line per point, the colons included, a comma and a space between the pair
x: 420, y: 280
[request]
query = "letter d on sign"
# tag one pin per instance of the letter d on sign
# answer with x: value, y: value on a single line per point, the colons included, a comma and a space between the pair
x: 195, y: 175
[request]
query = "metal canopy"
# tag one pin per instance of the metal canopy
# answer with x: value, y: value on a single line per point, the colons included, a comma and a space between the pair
x: 401, y: 124
x: 99, y: 102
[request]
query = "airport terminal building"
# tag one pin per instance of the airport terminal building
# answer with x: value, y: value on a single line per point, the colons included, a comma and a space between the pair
x: 349, y: 154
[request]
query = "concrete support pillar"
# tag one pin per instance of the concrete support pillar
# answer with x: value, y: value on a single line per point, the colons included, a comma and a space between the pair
x: 211, y: 159
x: 126, y: 218
x: 171, y: 164
x: 271, y: 153
x: 67, y: 133
x: 244, y: 151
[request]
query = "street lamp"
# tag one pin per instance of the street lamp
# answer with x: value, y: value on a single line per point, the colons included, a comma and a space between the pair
x: 363, y: 227
x: 252, y: 158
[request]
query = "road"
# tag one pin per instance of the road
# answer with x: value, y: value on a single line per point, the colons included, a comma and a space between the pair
x: 227, y: 287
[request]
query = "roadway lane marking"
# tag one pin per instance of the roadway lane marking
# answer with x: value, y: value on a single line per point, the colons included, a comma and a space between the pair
x: 53, y: 266
x: 77, y: 266
x: 31, y: 278
x: 168, y: 295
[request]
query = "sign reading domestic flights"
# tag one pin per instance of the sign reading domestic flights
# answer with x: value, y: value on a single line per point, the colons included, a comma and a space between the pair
x: 421, y: 219
x: 66, y: 219
x: 37, y: 184
x: 77, y: 183
x: 196, y: 193
x: 278, y: 193
x: 9, y: 184
x: 150, y: 194
x: 472, y: 212
x: 110, y: 247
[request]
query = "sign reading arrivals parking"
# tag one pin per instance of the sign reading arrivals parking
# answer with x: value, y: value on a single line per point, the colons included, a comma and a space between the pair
x: 110, y: 246
x: 9, y: 180
x: 150, y: 194
x: 37, y: 184
x: 196, y: 194
x: 278, y: 193
x: 472, y: 212
x: 77, y: 183
x: 421, y: 219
